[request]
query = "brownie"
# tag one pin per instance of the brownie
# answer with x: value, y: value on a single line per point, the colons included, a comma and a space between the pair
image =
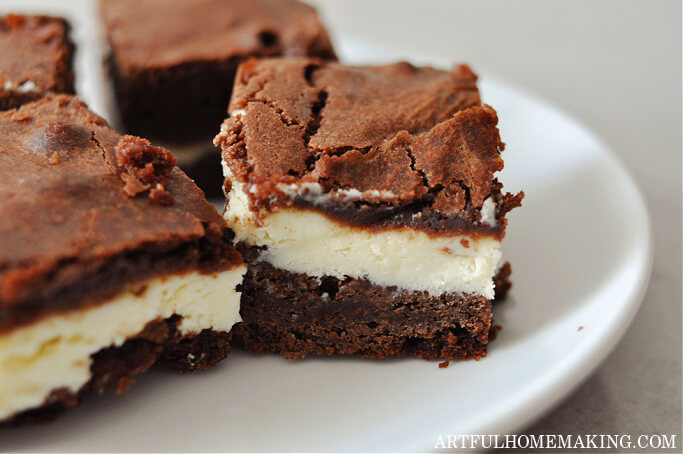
x: 36, y: 55
x: 366, y: 201
x: 173, y: 63
x: 95, y: 222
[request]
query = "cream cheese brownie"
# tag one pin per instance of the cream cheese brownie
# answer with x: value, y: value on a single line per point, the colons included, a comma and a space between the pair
x: 365, y: 202
x: 173, y: 63
x: 111, y: 259
x: 36, y: 55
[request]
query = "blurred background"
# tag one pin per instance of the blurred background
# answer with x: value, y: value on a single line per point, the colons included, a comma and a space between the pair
x: 616, y: 66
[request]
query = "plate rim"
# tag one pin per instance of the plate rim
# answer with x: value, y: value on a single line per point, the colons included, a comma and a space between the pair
x: 558, y: 382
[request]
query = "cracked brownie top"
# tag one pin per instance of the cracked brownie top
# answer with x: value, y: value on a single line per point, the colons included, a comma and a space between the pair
x: 80, y: 202
x: 383, y: 145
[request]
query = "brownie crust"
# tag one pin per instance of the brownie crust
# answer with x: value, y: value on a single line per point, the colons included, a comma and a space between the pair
x: 174, y: 82
x: 299, y: 315
x: 87, y: 211
x: 415, y: 144
x: 114, y: 368
x: 34, y: 50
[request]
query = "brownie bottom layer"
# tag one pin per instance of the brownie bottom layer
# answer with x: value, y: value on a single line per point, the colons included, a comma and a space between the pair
x: 299, y: 315
x: 160, y: 343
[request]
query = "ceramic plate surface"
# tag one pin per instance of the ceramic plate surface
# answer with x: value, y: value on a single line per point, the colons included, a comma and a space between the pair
x: 581, y: 254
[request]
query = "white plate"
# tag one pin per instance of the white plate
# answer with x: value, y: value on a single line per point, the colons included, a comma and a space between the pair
x: 581, y: 254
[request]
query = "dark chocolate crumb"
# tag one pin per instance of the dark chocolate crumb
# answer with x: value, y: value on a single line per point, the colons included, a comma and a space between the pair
x: 146, y: 167
x: 268, y: 38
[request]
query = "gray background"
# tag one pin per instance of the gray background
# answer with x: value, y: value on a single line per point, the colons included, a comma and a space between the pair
x: 616, y: 66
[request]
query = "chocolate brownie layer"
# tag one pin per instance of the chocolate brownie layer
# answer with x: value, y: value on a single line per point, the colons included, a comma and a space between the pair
x: 77, y: 284
x: 382, y: 147
x: 299, y: 315
x: 87, y: 211
x: 173, y: 62
x: 36, y: 56
x: 100, y: 235
x: 115, y: 367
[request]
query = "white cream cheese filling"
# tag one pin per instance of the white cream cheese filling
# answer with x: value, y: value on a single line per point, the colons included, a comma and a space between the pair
x: 55, y: 352
x: 305, y: 241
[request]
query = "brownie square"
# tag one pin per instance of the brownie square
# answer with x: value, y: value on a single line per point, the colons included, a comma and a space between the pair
x: 366, y: 204
x: 111, y: 260
x: 173, y: 62
x: 36, y: 57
